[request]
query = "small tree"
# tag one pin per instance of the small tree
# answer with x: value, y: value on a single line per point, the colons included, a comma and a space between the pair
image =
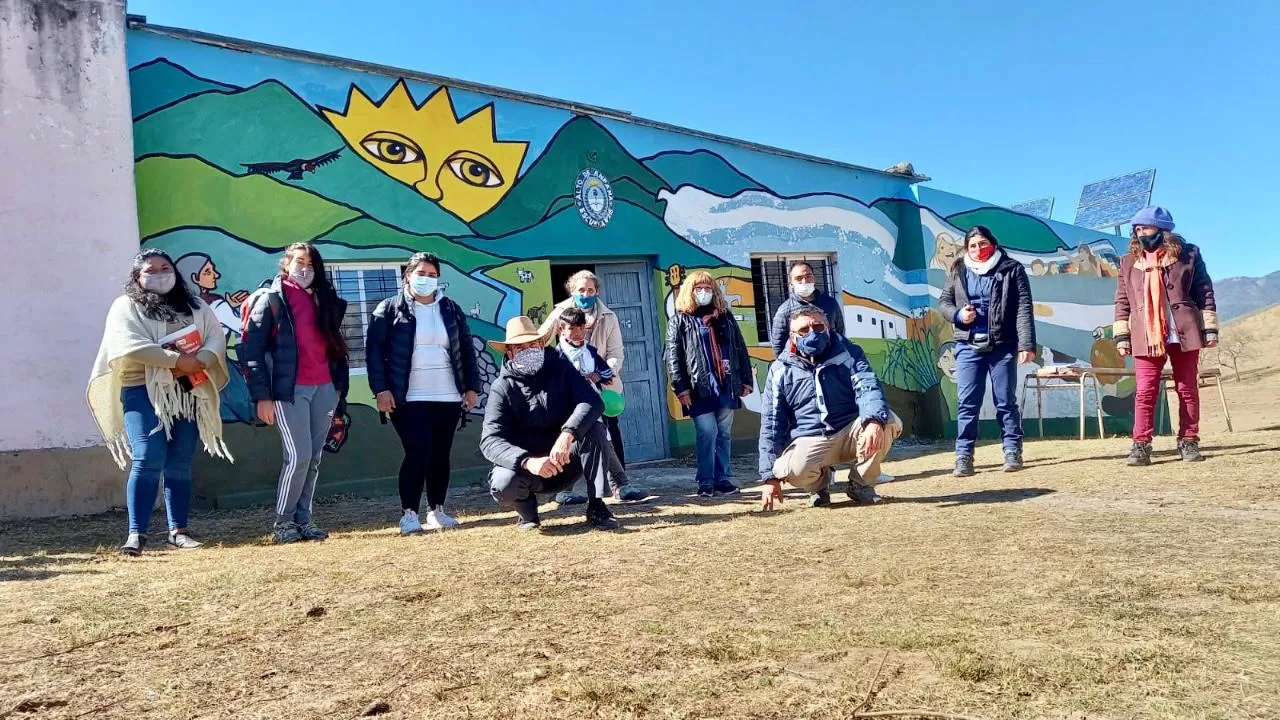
x: 1232, y: 347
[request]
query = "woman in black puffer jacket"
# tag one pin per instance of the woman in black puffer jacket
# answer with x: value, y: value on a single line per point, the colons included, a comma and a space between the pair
x: 422, y: 369
x: 710, y: 372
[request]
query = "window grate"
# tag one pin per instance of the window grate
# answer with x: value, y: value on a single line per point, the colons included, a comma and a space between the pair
x: 363, y: 287
x: 771, y: 286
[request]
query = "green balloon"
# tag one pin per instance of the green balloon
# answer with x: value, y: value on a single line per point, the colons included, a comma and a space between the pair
x: 614, y: 403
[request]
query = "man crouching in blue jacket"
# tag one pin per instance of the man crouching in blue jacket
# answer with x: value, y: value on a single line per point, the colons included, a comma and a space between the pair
x: 823, y: 406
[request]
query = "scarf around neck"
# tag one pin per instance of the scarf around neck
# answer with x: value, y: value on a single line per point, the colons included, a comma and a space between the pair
x: 579, y: 356
x: 712, y: 346
x: 1156, y: 315
x: 982, y: 268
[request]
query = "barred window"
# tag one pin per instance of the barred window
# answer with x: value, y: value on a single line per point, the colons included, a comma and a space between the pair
x: 363, y: 286
x: 771, y: 285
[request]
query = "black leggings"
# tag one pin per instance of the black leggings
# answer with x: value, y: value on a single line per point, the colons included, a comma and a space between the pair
x: 426, y: 431
x: 615, y: 437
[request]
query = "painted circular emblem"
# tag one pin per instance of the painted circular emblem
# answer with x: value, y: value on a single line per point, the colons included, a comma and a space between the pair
x: 594, y: 198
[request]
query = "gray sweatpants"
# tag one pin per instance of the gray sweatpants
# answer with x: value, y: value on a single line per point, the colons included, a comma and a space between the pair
x: 304, y: 426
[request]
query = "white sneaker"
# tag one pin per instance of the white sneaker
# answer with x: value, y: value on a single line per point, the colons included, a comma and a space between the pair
x: 409, y: 523
x: 438, y: 519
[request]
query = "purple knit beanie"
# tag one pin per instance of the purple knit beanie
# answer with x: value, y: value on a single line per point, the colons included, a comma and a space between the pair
x: 1154, y: 217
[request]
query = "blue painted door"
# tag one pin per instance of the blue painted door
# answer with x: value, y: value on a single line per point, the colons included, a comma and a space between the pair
x: 627, y: 288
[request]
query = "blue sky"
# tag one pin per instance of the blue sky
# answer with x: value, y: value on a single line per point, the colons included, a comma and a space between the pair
x: 1000, y: 100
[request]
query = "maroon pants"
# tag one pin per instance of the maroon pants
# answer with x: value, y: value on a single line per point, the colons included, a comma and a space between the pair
x: 1186, y: 380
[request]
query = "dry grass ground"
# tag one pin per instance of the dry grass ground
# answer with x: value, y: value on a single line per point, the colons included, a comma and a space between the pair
x: 1077, y: 588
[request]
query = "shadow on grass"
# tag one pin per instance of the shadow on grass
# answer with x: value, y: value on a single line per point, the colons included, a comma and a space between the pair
x: 977, y: 497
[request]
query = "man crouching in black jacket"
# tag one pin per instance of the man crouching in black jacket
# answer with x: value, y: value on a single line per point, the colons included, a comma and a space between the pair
x: 541, y: 431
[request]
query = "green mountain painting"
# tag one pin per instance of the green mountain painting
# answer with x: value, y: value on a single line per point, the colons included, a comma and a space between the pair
x: 548, y: 184
x: 702, y: 169
x: 1016, y: 231
x: 160, y: 82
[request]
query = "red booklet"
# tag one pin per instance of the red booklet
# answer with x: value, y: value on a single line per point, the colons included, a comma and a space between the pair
x: 187, y: 340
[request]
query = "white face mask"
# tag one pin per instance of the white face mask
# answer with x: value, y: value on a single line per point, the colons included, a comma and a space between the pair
x: 303, y: 276
x: 702, y: 297
x: 159, y: 283
x: 423, y: 285
x: 805, y: 289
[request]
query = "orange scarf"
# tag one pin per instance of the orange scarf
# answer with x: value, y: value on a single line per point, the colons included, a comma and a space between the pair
x: 1156, y: 315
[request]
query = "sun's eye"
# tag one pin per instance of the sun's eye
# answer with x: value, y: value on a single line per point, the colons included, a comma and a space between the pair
x: 475, y: 169
x: 392, y: 148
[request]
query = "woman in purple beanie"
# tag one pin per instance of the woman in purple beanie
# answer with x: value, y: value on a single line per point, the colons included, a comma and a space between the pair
x: 1164, y: 310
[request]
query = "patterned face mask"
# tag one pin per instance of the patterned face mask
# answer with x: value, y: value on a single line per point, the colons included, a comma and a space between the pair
x: 528, y: 361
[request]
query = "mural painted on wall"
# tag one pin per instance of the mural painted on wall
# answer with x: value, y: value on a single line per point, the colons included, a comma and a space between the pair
x: 230, y: 170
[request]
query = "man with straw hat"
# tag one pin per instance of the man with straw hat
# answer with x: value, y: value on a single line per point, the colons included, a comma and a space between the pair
x: 541, y: 429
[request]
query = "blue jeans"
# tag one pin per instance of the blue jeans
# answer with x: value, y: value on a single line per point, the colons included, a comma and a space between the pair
x: 154, y: 456
x: 711, y: 443
x: 972, y: 370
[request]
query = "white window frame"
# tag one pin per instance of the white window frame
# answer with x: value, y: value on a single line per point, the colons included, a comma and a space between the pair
x: 365, y: 303
x: 830, y: 257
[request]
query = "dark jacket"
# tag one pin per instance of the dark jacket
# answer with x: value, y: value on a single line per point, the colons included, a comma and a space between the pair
x: 389, y: 346
x: 1188, y: 293
x: 687, y: 364
x: 1011, y: 320
x: 268, y: 349
x: 804, y: 399
x: 781, y: 327
x: 525, y: 413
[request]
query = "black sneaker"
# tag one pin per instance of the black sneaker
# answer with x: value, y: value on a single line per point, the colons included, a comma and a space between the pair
x: 706, y: 490
x: 1139, y: 454
x: 527, y: 512
x: 568, y: 497
x: 629, y: 493
x: 1012, y: 460
x: 1190, y: 451
x: 599, y: 517
x: 724, y: 487
x: 822, y: 498
x: 964, y: 466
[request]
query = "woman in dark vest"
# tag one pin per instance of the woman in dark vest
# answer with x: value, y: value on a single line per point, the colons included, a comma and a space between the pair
x: 987, y: 299
x: 422, y: 370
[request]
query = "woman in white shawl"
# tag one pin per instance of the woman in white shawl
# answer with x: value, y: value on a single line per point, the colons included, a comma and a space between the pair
x: 154, y: 391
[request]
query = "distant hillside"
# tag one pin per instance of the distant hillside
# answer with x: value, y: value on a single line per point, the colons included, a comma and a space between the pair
x: 1237, y: 296
x: 1261, y: 343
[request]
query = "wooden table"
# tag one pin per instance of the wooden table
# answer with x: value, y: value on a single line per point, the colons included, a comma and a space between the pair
x: 1079, y: 378
x: 1065, y: 378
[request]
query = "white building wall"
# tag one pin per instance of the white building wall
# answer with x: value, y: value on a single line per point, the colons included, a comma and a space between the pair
x: 68, y: 229
x: 864, y: 322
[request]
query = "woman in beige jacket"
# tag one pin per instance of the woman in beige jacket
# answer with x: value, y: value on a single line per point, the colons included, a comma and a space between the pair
x: 604, y: 333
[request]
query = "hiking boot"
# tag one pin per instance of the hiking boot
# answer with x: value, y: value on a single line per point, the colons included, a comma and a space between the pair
x: 309, y: 531
x: 822, y: 498
x: 964, y: 466
x: 1012, y: 460
x: 629, y: 493
x: 183, y: 540
x: 864, y: 494
x: 133, y: 545
x: 724, y: 487
x: 1190, y: 450
x: 286, y: 533
x: 1139, y: 454
x: 599, y: 517
x: 568, y: 497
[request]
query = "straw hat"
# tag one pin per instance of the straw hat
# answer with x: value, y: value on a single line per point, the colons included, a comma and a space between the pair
x: 520, y: 330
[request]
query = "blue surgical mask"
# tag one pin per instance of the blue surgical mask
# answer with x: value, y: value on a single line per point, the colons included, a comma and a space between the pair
x: 423, y: 285
x: 586, y: 302
x: 813, y: 344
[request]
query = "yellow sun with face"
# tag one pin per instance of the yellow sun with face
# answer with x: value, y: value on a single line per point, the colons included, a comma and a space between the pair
x: 458, y: 163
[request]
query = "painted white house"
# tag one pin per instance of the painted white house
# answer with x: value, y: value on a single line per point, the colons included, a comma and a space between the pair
x: 865, y: 318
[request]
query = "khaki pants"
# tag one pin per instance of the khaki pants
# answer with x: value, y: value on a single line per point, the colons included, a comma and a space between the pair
x: 805, y: 461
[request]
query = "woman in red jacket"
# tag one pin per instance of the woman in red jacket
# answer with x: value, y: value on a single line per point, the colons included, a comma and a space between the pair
x: 1164, y: 309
